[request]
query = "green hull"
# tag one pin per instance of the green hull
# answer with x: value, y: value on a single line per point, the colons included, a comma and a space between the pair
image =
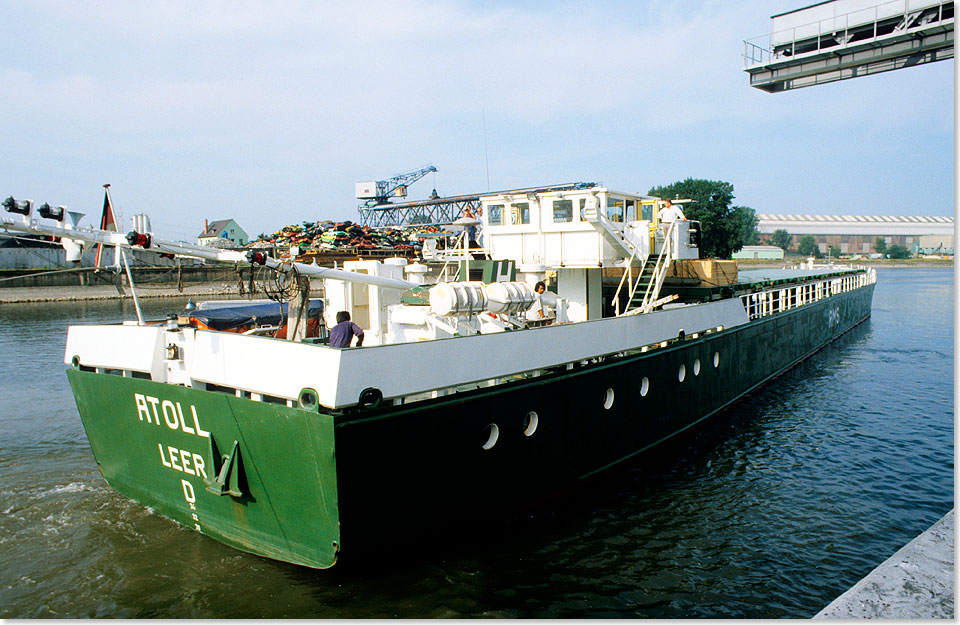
x: 431, y: 463
x: 165, y: 446
x: 270, y: 483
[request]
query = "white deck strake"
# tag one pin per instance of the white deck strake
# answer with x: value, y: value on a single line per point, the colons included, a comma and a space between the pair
x: 282, y: 368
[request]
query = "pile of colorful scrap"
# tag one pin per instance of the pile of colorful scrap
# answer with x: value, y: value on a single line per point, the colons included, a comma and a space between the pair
x: 346, y: 236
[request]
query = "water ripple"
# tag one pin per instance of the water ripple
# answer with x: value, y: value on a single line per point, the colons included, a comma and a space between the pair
x: 770, y: 510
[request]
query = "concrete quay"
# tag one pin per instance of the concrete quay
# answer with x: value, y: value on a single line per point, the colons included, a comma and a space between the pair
x: 915, y: 582
x: 13, y: 295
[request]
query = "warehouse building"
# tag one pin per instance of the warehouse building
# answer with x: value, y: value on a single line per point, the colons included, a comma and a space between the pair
x: 857, y: 234
x: 758, y: 252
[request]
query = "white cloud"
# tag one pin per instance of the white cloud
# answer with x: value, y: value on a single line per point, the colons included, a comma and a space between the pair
x: 238, y: 104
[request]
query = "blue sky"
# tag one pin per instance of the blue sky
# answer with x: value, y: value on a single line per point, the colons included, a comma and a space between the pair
x: 270, y: 112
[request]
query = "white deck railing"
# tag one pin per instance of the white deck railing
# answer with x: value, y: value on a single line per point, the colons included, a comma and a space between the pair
x: 774, y: 301
x: 837, y: 31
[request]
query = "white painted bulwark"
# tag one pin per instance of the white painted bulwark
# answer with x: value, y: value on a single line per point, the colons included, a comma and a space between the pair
x: 266, y: 365
x: 130, y: 347
x: 449, y: 362
x: 340, y: 375
x: 283, y: 368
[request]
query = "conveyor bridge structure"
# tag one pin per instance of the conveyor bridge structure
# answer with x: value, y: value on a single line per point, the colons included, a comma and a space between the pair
x: 841, y: 39
x: 442, y: 211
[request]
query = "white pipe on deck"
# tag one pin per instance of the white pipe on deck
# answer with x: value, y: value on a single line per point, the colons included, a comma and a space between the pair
x: 106, y: 237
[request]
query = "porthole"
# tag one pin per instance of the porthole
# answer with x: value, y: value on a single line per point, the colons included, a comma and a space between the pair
x: 608, y: 399
x: 492, y: 433
x: 644, y: 387
x: 682, y: 373
x: 716, y: 359
x: 530, y: 423
x: 696, y: 367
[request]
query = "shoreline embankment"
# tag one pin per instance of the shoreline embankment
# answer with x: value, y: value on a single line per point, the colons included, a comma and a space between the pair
x: 221, y: 287
x: 53, y: 294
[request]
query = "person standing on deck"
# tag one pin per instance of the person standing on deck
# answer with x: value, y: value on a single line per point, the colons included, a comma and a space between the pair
x: 342, y: 334
x: 669, y: 214
x: 471, y: 230
x: 536, y: 314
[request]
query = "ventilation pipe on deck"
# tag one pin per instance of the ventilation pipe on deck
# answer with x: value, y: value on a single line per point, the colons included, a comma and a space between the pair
x: 531, y: 273
x: 417, y: 273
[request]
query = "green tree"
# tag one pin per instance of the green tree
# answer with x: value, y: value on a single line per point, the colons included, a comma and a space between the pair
x: 898, y: 251
x: 880, y: 245
x: 724, y: 228
x: 782, y: 239
x: 807, y: 246
x: 748, y: 220
x: 834, y: 251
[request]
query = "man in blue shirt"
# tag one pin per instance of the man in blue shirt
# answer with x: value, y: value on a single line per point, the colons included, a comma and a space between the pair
x: 342, y: 334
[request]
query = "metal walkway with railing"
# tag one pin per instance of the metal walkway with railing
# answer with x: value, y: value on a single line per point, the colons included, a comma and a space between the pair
x: 888, y: 36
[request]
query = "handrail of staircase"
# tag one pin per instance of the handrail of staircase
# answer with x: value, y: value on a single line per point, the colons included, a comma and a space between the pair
x: 633, y: 285
x: 458, y: 255
x: 598, y: 219
x: 659, y: 272
x: 636, y: 283
x: 627, y: 270
x: 447, y: 260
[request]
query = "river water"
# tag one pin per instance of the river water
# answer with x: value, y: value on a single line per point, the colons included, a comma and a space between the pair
x: 770, y: 510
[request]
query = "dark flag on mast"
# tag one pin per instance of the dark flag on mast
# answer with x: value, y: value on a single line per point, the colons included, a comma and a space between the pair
x: 108, y: 220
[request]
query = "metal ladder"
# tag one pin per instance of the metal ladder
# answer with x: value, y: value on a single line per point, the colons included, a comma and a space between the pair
x: 651, y: 298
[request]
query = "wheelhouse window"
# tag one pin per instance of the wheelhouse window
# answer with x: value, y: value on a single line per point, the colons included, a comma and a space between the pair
x: 646, y: 211
x: 630, y: 210
x: 495, y: 214
x: 583, y: 205
x: 615, y: 209
x: 519, y: 213
x: 562, y: 211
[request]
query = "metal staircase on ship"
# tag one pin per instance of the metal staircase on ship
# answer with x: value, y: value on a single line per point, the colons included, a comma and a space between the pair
x: 644, y: 291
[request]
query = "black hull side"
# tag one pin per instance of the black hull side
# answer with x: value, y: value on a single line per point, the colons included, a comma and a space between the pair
x: 420, y: 463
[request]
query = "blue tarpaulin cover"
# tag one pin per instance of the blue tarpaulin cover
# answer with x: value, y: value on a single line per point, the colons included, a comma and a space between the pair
x: 272, y: 313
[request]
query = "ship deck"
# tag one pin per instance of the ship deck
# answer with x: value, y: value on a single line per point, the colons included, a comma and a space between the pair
x: 750, y: 281
x: 762, y: 278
